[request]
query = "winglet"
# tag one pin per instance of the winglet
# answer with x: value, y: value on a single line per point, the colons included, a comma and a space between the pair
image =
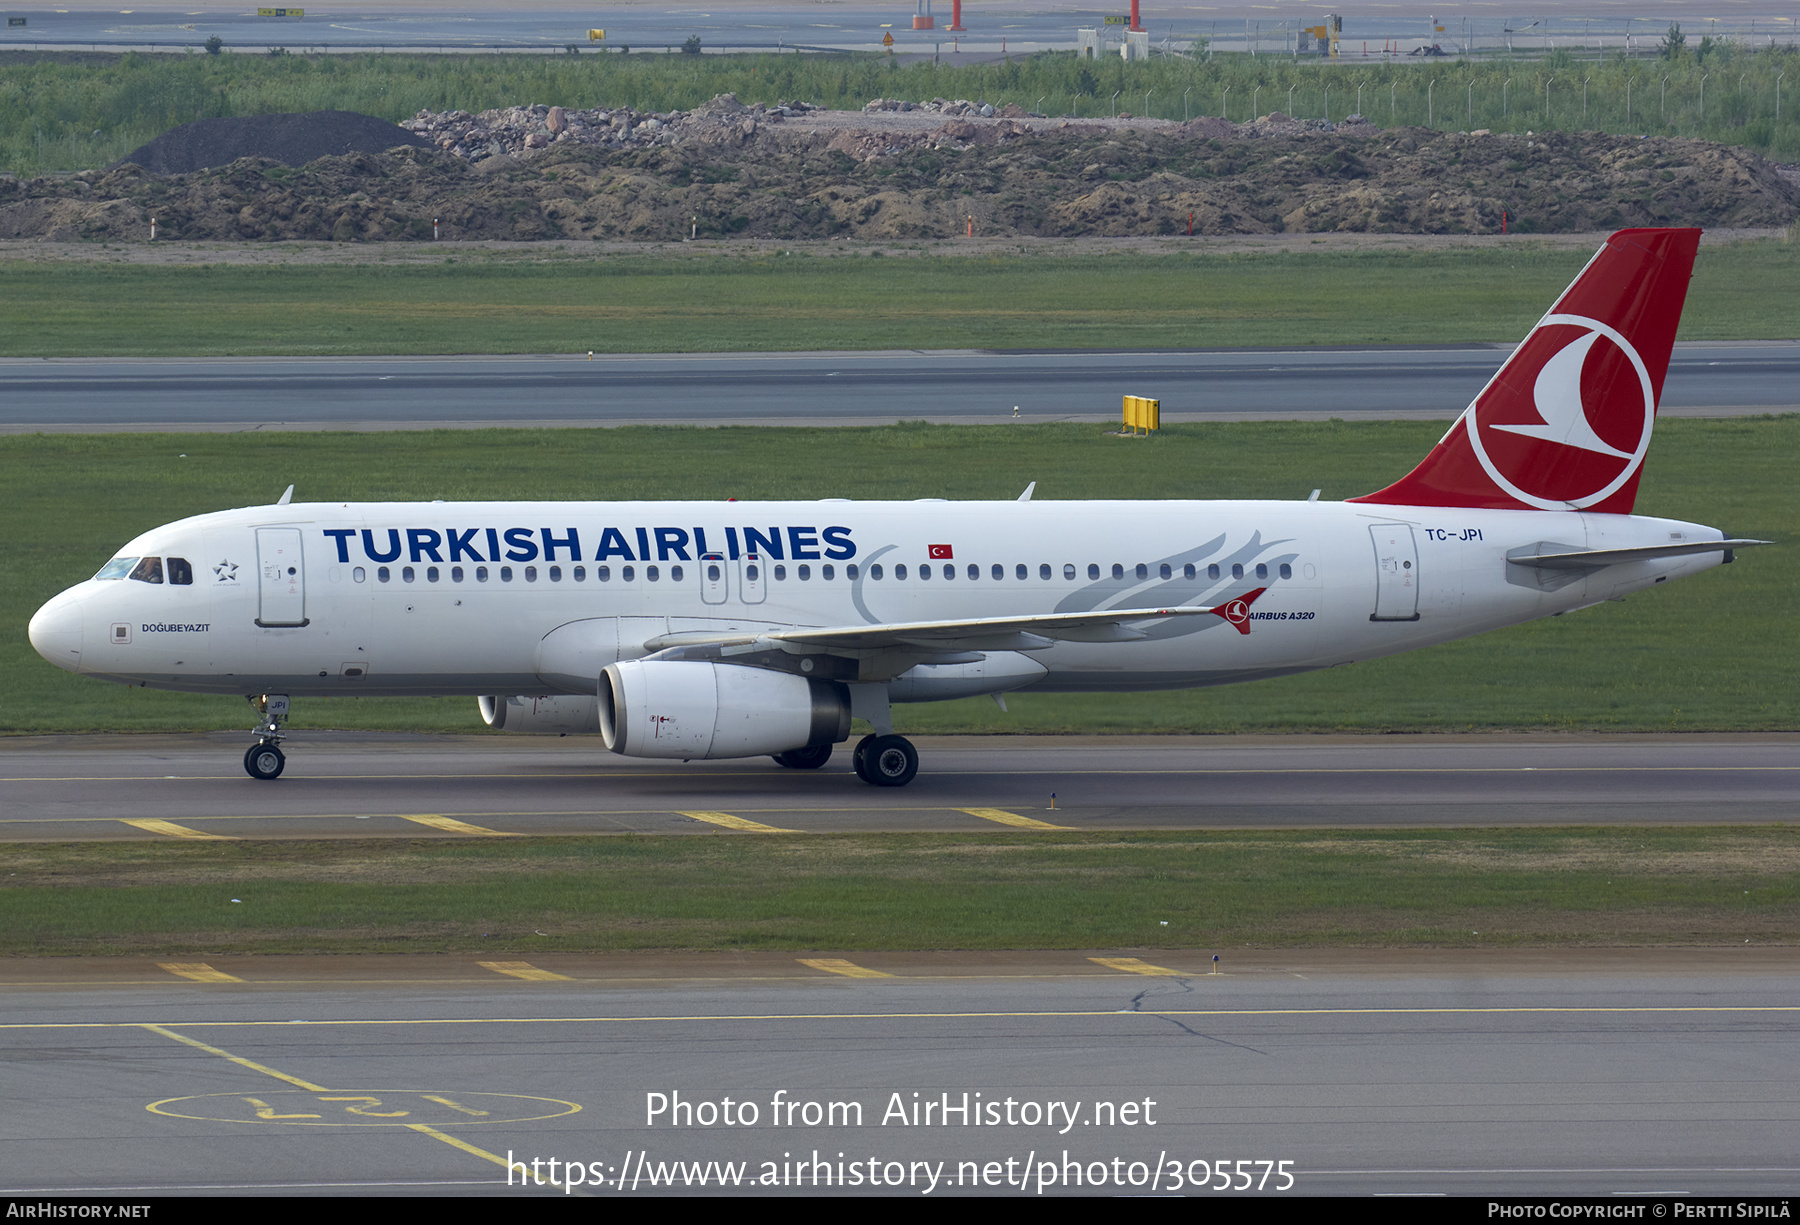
x: 1026, y: 496
x: 286, y: 497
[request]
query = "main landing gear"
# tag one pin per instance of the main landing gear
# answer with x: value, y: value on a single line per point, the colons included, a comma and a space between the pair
x: 265, y: 760
x: 886, y: 761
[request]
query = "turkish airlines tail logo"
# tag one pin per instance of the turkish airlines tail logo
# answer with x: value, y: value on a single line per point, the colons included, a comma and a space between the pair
x: 1237, y: 612
x: 1565, y: 424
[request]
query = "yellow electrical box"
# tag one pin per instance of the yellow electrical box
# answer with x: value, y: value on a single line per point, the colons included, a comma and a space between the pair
x: 595, y: 36
x: 1142, y: 413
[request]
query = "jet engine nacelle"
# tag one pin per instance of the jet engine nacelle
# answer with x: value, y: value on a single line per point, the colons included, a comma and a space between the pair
x: 693, y: 709
x: 556, y: 716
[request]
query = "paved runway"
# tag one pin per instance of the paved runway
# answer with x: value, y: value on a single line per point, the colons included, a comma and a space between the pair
x: 817, y: 388
x: 340, y: 785
x: 1581, y: 1073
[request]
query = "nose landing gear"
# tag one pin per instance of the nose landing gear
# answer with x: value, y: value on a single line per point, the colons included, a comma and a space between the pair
x: 265, y: 760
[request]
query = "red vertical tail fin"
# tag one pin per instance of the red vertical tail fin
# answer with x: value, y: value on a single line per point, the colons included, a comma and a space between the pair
x: 1565, y: 424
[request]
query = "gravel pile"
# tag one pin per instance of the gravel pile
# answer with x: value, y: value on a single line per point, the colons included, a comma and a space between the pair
x: 292, y: 140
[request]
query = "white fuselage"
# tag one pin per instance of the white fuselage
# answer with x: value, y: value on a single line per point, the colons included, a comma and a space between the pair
x: 535, y: 598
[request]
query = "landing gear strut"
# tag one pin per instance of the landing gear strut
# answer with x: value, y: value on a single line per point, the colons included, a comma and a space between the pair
x: 265, y: 760
x: 885, y: 761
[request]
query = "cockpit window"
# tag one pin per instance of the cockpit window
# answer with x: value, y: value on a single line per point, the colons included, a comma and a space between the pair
x: 118, y: 567
x: 180, y: 572
x: 148, y: 570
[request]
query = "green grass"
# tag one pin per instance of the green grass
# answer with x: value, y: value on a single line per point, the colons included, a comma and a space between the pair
x: 1478, y: 888
x: 60, y: 113
x: 795, y: 301
x: 1716, y: 652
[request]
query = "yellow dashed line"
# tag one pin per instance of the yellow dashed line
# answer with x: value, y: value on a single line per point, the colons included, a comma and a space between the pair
x: 1131, y: 965
x: 152, y: 825
x: 837, y: 965
x: 1009, y: 818
x: 525, y: 970
x: 199, y: 971
x: 731, y: 822
x: 450, y: 825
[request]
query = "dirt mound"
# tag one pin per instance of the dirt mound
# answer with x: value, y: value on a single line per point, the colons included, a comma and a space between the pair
x: 292, y: 140
x: 785, y: 172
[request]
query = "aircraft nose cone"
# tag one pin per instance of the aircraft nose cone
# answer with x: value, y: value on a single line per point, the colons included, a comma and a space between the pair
x: 56, y: 632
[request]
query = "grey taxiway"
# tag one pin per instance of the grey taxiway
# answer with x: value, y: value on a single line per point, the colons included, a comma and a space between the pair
x: 98, y: 395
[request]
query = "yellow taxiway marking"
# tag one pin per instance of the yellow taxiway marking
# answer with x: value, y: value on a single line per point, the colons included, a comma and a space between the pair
x: 421, y: 1128
x: 465, y: 1146
x: 152, y: 825
x: 731, y: 822
x: 525, y: 970
x: 199, y: 971
x: 450, y: 825
x: 1009, y: 818
x: 837, y: 965
x: 239, y: 1060
x: 1131, y: 965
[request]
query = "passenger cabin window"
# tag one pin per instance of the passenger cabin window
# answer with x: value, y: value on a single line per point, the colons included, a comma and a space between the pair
x: 1237, y: 569
x: 1187, y: 571
x: 674, y: 574
x: 359, y: 574
x: 148, y: 570
x: 1262, y: 570
x: 899, y: 571
x: 1143, y: 571
x: 603, y: 574
x: 1286, y: 571
x: 1069, y: 571
x: 481, y: 574
x: 181, y: 574
x: 406, y: 574
x: 556, y: 574
x: 829, y: 572
x: 1093, y: 571
x: 1165, y: 571
x: 1118, y: 570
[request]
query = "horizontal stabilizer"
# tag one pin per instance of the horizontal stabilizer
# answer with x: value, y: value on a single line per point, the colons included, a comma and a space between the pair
x: 1589, y: 559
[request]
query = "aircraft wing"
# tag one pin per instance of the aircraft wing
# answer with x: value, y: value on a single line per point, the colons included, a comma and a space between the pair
x: 977, y: 634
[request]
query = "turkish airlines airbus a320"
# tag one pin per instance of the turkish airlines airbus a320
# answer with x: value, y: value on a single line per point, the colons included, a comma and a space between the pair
x: 737, y: 629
